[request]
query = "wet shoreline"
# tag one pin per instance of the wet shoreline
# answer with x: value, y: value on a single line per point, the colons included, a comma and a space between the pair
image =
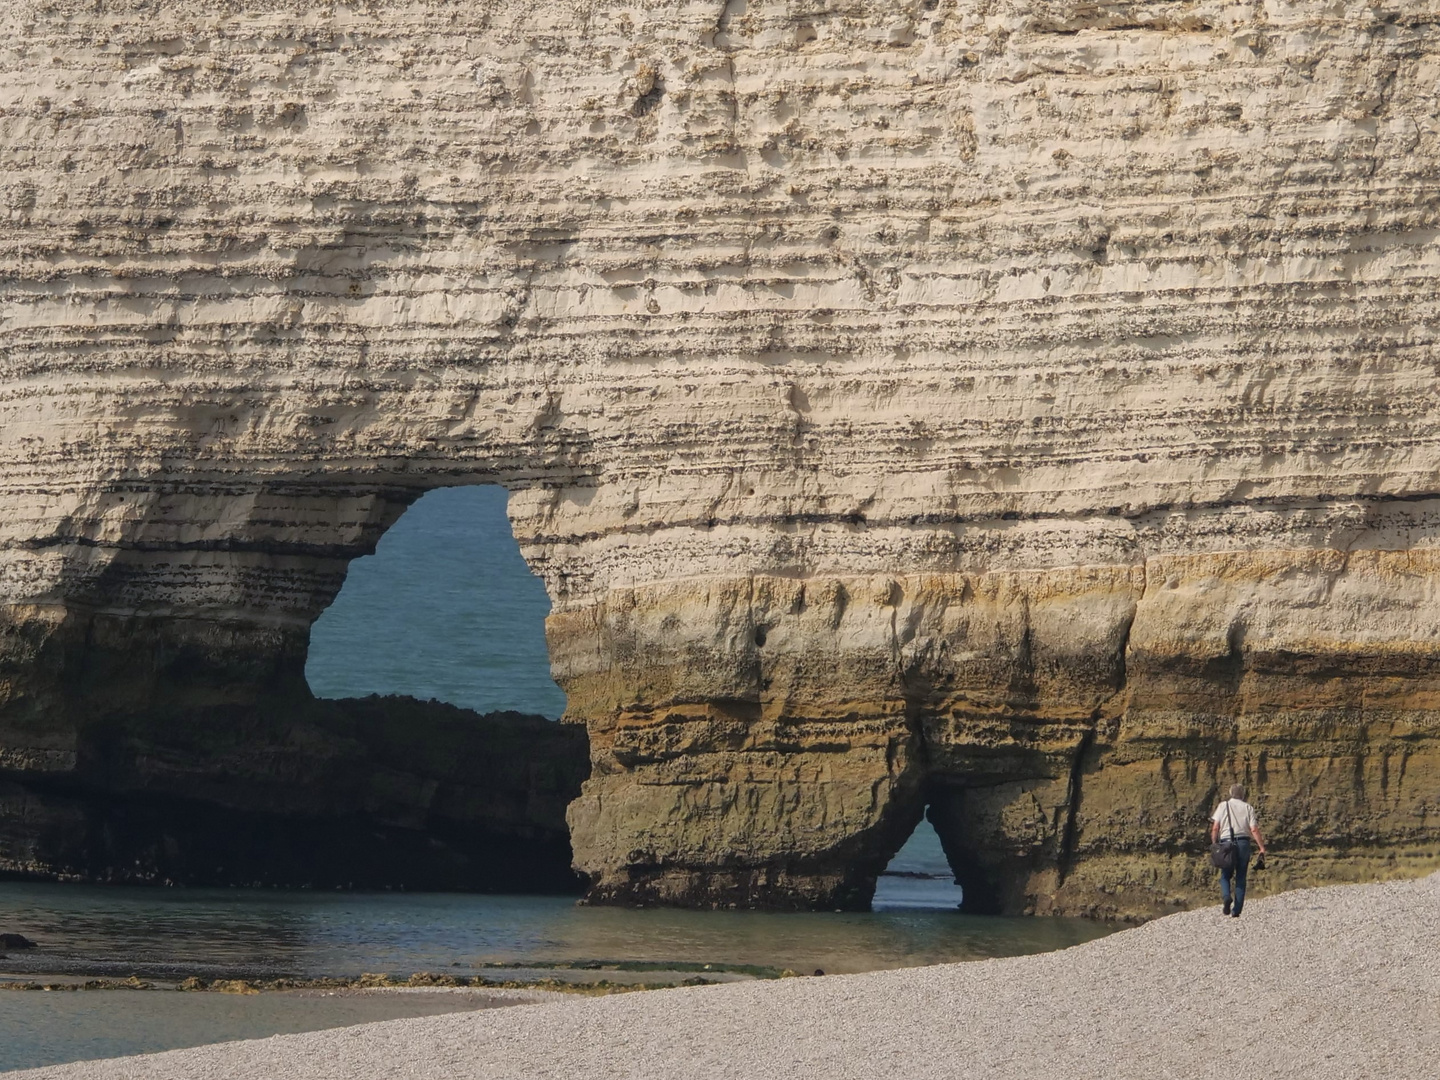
x: 127, y: 969
x: 583, y: 978
x: 105, y: 1021
x: 116, y: 931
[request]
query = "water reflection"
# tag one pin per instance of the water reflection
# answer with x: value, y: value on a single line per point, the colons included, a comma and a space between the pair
x: 120, y: 930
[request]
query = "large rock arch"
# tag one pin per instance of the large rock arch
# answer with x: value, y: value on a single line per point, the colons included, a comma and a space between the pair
x: 1017, y: 409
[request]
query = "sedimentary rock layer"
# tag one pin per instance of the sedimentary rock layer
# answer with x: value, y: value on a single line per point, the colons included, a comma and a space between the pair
x: 1021, y: 409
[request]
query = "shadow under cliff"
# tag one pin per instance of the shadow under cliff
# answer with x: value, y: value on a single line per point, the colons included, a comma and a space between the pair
x: 377, y: 792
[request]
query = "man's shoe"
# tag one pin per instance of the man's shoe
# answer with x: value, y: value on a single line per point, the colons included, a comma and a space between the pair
x: 1226, y: 909
x: 1235, y: 914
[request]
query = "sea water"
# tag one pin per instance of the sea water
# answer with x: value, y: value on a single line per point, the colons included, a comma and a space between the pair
x: 446, y: 608
x: 117, y: 931
x: 155, y: 933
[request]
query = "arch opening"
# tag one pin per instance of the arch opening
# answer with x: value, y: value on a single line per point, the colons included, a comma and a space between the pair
x: 446, y: 609
x: 432, y: 661
x: 918, y: 876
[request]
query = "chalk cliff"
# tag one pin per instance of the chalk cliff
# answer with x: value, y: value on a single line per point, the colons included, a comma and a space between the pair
x: 1017, y: 408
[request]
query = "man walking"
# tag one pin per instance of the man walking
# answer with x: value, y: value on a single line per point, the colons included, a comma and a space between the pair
x: 1234, y: 820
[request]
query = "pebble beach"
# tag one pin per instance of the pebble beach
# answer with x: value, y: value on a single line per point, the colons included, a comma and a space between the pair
x: 1339, y: 982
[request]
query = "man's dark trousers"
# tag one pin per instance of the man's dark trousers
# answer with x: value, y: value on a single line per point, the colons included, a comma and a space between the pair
x: 1239, y: 873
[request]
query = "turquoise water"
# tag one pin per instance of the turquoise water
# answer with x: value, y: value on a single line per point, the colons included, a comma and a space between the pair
x: 446, y: 608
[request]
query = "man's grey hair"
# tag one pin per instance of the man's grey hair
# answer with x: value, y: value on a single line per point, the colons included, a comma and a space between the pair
x: 1237, y: 791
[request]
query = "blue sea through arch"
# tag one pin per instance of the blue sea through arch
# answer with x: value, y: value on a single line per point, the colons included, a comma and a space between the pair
x: 447, y: 608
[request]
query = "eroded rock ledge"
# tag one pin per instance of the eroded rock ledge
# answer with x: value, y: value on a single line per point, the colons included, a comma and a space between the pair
x: 1021, y: 409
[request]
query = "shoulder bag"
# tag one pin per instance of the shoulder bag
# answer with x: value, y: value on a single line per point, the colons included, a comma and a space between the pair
x: 1222, y: 852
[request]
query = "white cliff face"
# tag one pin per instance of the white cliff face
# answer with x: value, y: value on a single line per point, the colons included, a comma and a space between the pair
x: 1051, y: 386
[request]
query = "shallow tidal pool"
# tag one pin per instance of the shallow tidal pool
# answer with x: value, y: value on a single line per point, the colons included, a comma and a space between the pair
x: 48, y: 1028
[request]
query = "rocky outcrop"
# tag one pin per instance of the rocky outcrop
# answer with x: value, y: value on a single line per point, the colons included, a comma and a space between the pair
x: 377, y: 792
x: 1068, y: 729
x: 1019, y: 409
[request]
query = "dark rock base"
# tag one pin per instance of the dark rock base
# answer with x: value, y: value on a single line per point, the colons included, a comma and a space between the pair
x: 367, y: 793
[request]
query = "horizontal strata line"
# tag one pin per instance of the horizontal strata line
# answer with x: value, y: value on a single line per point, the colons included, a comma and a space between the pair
x: 122, y: 292
x: 761, y: 240
x: 1038, y: 411
x: 255, y: 206
x: 762, y: 448
x: 1219, y: 314
x: 351, y: 551
x: 153, y: 376
x: 444, y: 225
x: 232, y: 545
x: 1101, y: 298
x: 1032, y: 436
x: 1221, y: 324
x: 941, y: 520
x: 902, y: 233
x: 392, y: 367
x: 446, y: 121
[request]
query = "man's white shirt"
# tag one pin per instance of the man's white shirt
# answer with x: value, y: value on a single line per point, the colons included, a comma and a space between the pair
x: 1240, y: 812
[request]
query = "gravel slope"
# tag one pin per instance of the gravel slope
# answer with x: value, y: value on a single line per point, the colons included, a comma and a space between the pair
x: 1340, y: 982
